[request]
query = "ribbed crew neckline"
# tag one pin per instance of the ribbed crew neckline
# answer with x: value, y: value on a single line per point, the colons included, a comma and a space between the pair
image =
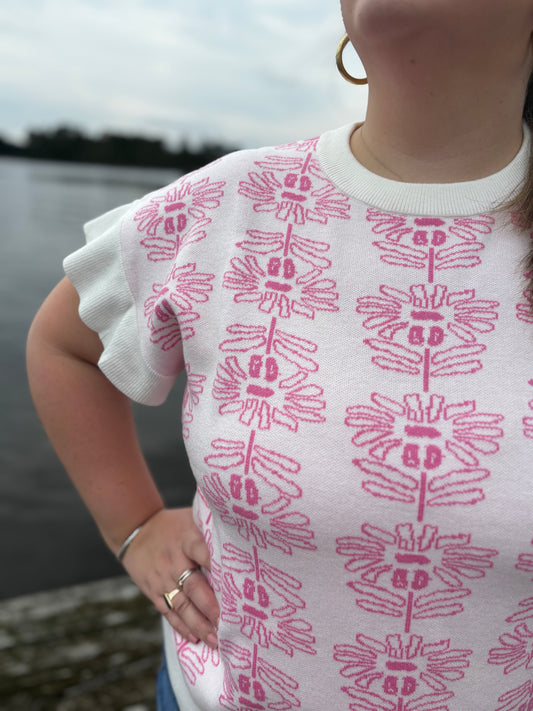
x: 444, y: 199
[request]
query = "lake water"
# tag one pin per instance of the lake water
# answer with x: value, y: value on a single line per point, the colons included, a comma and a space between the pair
x: 47, y: 539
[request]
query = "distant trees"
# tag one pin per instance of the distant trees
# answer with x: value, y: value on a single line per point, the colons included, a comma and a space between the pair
x: 7, y: 149
x: 67, y: 143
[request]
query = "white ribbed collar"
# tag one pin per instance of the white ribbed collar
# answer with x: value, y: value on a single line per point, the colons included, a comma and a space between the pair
x: 444, y: 199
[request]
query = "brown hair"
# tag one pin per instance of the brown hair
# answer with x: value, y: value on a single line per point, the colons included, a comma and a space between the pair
x: 522, y: 203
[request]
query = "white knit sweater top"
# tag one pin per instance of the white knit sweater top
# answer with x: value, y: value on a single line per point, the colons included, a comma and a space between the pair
x: 358, y: 416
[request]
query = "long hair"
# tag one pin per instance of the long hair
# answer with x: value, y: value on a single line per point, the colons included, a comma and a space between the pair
x: 522, y: 204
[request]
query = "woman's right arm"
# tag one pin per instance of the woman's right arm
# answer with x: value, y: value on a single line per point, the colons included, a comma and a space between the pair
x: 90, y: 425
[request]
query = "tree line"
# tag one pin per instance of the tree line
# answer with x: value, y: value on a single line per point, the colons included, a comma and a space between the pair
x: 66, y: 143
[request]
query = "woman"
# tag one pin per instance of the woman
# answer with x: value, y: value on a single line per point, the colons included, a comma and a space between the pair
x: 345, y: 309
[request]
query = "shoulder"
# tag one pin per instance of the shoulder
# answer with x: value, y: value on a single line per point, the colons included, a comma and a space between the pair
x: 258, y: 178
x: 209, y: 181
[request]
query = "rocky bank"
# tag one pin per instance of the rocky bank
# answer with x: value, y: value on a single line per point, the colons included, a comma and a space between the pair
x: 92, y: 647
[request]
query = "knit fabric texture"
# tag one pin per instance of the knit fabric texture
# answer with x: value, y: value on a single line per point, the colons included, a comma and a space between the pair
x: 358, y: 416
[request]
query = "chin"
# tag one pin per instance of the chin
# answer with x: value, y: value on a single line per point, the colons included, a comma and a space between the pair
x: 382, y: 21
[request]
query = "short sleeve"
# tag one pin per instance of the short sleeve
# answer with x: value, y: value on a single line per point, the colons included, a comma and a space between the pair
x: 122, y: 298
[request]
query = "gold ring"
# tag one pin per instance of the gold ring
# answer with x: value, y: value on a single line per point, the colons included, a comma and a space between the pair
x: 170, y: 596
x: 183, y: 577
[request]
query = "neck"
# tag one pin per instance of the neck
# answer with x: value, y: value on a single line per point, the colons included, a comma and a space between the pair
x: 441, y: 130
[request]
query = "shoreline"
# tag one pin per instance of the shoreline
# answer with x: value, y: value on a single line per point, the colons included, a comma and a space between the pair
x: 90, y: 646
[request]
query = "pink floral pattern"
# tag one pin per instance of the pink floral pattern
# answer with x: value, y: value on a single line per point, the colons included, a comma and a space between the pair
x: 528, y: 419
x: 519, y: 699
x: 428, y: 331
x: 525, y: 562
x: 388, y: 427
x: 270, y: 385
x: 252, y: 683
x: 424, y: 450
x: 264, y: 602
x: 516, y: 650
x: 412, y: 573
x: 195, y: 659
x: 191, y: 398
x: 524, y: 310
x: 253, y: 489
x: 306, y: 146
x: 403, y: 673
x: 169, y: 311
x: 294, y: 188
x: 433, y: 244
x: 177, y: 217
x: 272, y: 276
x: 405, y: 571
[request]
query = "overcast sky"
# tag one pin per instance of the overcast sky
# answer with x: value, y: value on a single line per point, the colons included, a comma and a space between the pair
x: 246, y: 72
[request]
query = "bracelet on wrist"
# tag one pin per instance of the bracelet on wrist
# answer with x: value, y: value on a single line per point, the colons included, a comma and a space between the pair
x: 129, y: 540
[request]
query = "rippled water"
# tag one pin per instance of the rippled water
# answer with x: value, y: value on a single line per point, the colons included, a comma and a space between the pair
x: 46, y: 537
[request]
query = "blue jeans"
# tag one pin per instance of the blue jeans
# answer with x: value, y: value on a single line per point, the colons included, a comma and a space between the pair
x: 166, y: 701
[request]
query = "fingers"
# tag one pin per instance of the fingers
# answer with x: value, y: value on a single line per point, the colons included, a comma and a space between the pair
x: 198, y: 590
x: 194, y: 611
x: 169, y: 545
x: 180, y: 626
x: 195, y: 548
x: 195, y: 621
x: 175, y: 621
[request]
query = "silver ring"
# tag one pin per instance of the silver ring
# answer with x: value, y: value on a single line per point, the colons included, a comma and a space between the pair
x: 183, y: 577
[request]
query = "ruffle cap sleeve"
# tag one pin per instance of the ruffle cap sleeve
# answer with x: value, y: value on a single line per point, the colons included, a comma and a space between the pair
x: 114, y: 280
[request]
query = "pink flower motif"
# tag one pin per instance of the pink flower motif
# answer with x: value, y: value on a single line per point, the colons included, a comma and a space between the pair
x: 399, y: 429
x: 295, y: 194
x: 420, y: 564
x: 519, y: 699
x: 425, y: 314
x: 528, y: 426
x: 252, y: 683
x: 279, y: 289
x: 300, y: 248
x: 176, y: 216
x: 253, y: 489
x: 184, y: 287
x: 432, y: 243
x: 516, y: 650
x: 384, y: 553
x: 264, y: 602
x: 528, y: 421
x: 270, y: 387
x: 413, y: 328
x: 402, y: 672
x: 166, y: 331
x: 425, y: 231
x: 302, y: 402
x: 191, y: 397
x: 169, y: 311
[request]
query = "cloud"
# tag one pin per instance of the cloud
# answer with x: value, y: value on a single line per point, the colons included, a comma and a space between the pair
x: 243, y: 71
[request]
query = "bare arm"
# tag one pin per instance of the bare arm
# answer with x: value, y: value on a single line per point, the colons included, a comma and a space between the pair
x: 90, y: 425
x: 88, y: 421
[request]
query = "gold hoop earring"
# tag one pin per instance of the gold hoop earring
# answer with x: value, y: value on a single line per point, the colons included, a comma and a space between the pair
x: 340, y: 64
